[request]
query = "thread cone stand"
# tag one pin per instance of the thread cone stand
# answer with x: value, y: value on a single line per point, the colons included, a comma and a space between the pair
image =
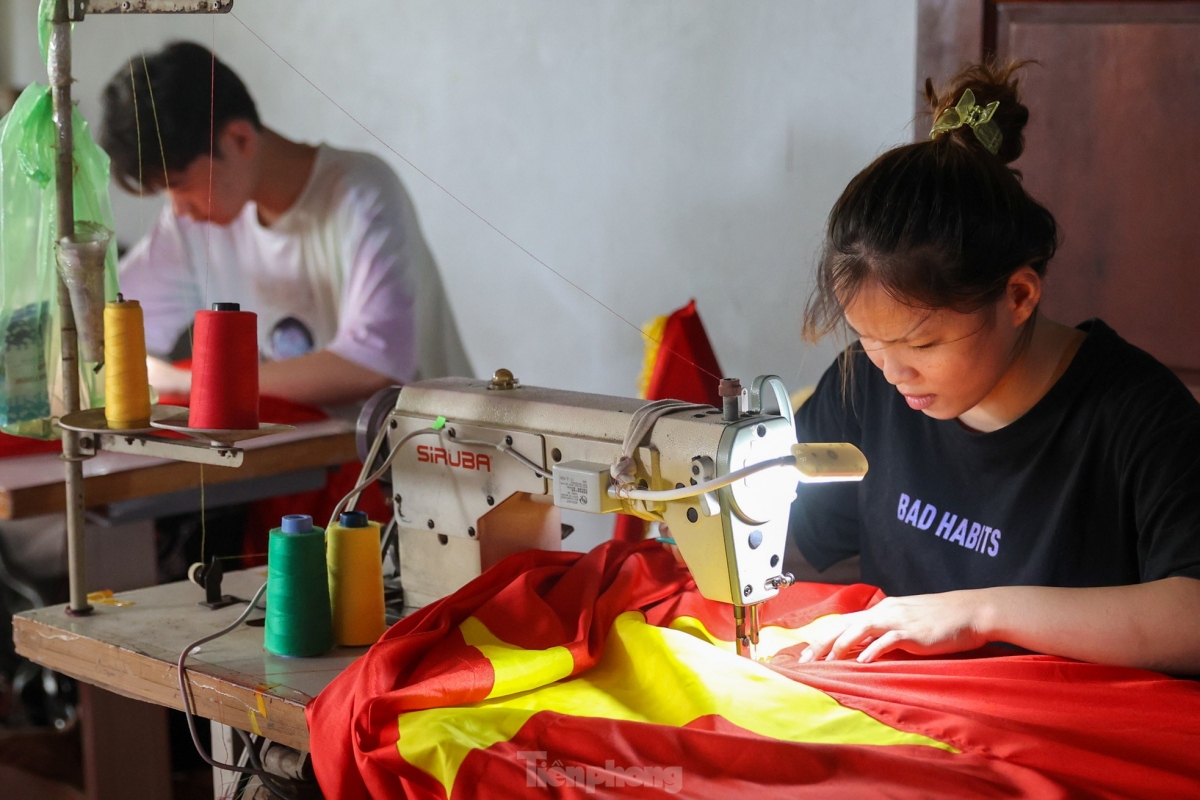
x: 93, y: 434
x: 167, y: 418
x: 217, y: 437
x: 78, y: 446
x: 93, y: 420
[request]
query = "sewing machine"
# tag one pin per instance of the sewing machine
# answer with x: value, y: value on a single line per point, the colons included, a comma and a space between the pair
x: 487, y: 464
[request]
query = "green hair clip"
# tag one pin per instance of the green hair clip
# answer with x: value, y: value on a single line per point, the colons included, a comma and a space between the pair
x: 978, y: 117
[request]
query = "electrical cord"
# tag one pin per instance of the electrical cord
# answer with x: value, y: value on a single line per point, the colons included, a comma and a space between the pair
x: 240, y: 783
x: 508, y: 450
x: 351, y: 498
x: 541, y: 473
x: 624, y: 471
x: 256, y: 762
x: 258, y: 772
x: 189, y: 713
x: 666, y: 495
x: 248, y: 746
x: 243, y: 780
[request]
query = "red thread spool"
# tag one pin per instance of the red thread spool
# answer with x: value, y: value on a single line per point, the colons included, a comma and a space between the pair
x: 225, y: 369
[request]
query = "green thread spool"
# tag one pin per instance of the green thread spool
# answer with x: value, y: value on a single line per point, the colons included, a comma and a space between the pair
x: 298, y: 617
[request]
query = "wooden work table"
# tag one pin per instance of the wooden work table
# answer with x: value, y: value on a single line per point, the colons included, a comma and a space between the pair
x: 132, y: 650
x: 33, y: 485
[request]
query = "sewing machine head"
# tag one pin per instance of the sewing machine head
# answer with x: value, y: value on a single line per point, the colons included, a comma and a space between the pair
x: 504, y: 458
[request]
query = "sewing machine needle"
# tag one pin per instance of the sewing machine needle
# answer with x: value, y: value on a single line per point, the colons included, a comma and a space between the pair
x: 741, y: 639
x: 752, y: 632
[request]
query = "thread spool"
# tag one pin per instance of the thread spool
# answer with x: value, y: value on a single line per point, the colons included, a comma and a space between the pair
x: 224, y: 369
x: 298, y: 619
x: 126, y: 386
x: 355, y: 580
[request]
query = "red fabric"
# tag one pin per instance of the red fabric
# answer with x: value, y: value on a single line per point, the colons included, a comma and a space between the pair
x: 1027, y: 725
x: 686, y: 369
x: 563, y: 598
x: 23, y: 446
x: 1062, y: 728
x: 720, y: 760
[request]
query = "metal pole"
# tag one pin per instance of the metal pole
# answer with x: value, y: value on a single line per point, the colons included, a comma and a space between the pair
x: 59, y: 68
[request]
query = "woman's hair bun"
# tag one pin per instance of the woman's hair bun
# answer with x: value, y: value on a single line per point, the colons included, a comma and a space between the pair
x: 990, y: 82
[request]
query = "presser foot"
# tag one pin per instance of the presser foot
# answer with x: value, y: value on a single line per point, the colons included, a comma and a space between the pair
x: 746, y: 627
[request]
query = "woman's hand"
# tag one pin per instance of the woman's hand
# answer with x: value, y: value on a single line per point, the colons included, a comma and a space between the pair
x: 1153, y: 625
x: 930, y: 624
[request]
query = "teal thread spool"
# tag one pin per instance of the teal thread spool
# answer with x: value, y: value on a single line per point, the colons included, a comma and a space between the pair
x: 298, y: 617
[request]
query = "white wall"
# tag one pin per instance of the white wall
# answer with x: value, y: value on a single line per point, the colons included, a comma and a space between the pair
x: 649, y: 150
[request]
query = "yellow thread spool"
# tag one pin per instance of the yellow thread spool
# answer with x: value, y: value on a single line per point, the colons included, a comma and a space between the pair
x: 126, y: 385
x: 355, y: 580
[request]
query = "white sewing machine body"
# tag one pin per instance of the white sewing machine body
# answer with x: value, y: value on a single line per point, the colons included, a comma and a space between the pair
x: 461, y: 504
x: 461, y: 508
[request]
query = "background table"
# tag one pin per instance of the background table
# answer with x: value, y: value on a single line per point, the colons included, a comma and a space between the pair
x: 123, y: 493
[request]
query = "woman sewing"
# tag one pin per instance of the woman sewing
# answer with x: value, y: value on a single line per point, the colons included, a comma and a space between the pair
x: 1031, y: 482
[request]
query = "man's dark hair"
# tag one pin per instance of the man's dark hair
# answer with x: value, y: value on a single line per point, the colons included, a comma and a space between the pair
x: 176, y: 97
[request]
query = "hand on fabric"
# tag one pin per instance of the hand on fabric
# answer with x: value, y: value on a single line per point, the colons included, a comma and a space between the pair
x: 930, y: 624
x: 168, y: 379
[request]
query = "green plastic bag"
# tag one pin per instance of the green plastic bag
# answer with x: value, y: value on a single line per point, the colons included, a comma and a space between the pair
x: 31, y: 384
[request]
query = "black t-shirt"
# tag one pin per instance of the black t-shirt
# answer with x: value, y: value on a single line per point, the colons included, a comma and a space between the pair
x: 1097, y: 485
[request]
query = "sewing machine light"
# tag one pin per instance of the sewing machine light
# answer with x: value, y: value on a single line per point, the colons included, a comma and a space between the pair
x: 829, y: 462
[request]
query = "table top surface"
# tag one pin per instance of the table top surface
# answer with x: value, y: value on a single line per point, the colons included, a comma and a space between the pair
x: 133, y: 649
x: 33, y: 484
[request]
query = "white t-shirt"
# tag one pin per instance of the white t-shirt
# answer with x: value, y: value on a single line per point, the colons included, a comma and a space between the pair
x: 345, y: 269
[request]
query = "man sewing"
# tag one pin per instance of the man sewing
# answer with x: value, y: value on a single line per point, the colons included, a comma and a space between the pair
x: 322, y: 243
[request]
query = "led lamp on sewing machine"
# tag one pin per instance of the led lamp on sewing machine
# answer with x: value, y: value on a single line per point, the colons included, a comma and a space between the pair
x: 829, y: 462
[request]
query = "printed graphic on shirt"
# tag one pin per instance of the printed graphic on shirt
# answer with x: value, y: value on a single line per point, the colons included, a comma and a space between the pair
x: 290, y: 338
x: 958, y: 530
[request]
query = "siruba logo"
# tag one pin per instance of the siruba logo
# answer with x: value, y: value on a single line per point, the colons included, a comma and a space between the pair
x: 463, y: 459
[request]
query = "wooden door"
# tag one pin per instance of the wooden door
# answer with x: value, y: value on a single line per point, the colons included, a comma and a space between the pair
x: 1112, y: 149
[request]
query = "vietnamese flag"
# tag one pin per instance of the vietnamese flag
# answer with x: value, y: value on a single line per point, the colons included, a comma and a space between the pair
x: 606, y: 674
x: 679, y: 365
x: 679, y: 362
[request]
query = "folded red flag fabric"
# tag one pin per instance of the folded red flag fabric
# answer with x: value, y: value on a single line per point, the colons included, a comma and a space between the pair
x: 680, y: 362
x: 680, y: 365
x: 606, y: 674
